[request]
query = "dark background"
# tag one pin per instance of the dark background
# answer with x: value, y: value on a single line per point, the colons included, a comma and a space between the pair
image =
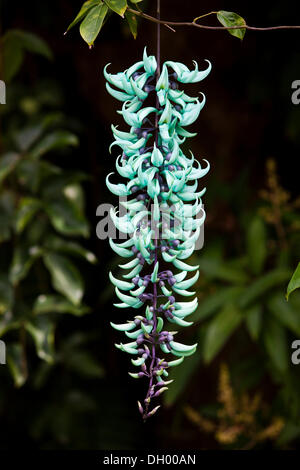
x: 248, y: 118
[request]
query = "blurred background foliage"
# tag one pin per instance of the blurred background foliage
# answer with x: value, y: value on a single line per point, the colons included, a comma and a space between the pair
x: 65, y: 386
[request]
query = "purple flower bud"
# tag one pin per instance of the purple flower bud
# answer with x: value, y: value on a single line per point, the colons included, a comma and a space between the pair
x: 172, y: 281
x: 168, y: 156
x: 171, y: 167
x: 141, y: 410
x: 134, y: 249
x: 176, y: 242
x: 134, y: 189
x: 172, y: 299
x: 141, y: 374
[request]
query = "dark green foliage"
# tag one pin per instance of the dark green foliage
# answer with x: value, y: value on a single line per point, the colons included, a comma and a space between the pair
x: 42, y: 215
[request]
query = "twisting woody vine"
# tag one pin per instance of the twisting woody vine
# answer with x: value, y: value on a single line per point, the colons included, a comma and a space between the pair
x: 162, y: 184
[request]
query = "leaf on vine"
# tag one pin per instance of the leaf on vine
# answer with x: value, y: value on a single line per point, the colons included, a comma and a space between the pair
x: 54, y: 140
x: 23, y: 259
x: 57, y: 304
x: 92, y: 23
x: 6, y: 295
x: 276, y: 344
x: 66, y: 217
x: 132, y: 23
x: 15, y: 362
x: 66, y: 278
x: 8, y: 163
x: 228, y: 19
x: 294, y: 282
x: 119, y: 6
x: 256, y: 245
x: 28, y: 207
x: 219, y: 330
x: 86, y: 7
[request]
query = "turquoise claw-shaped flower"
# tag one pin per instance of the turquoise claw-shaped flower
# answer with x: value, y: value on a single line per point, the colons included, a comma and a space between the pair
x: 164, y: 214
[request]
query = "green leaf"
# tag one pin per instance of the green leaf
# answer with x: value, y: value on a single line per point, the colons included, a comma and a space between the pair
x: 83, y: 363
x: 119, y: 6
x: 182, y: 375
x: 42, y: 331
x: 7, y: 213
x: 15, y: 43
x: 66, y: 278
x: 58, y: 244
x: 92, y: 23
x: 256, y: 244
x: 13, y: 56
x: 57, y: 304
x: 8, y: 163
x: 217, y: 269
x: 25, y: 137
x: 219, y: 330
x: 15, y: 362
x: 132, y: 23
x: 55, y: 140
x: 294, y: 282
x: 289, y: 433
x: 285, y: 313
x: 276, y: 344
x: 28, y: 207
x: 6, y: 295
x: 263, y: 284
x: 31, y: 42
x: 8, y: 323
x: 215, y: 301
x: 83, y: 12
x: 66, y: 218
x: 228, y: 19
x: 23, y: 259
x: 75, y: 194
x: 254, y: 321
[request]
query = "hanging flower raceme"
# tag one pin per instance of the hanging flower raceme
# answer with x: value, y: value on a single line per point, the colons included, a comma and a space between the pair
x: 163, y: 215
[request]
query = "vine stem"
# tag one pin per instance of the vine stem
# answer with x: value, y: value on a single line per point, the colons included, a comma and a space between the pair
x: 153, y: 359
x: 202, y: 26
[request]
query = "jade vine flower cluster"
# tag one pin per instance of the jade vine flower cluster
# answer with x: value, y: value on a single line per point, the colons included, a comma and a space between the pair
x: 161, y: 184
